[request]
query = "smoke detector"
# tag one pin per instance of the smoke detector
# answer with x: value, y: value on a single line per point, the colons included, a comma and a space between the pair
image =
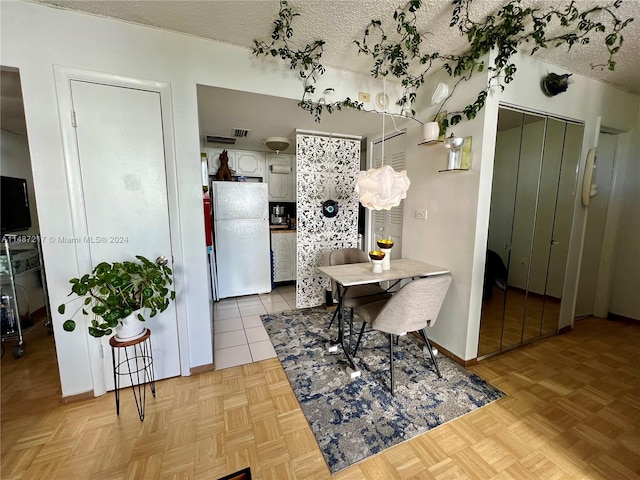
x: 277, y: 144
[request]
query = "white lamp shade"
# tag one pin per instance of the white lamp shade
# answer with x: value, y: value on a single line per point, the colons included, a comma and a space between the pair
x: 382, y: 188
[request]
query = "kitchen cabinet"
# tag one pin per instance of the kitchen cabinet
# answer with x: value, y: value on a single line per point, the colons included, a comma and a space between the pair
x: 281, y: 177
x: 251, y: 164
x: 242, y: 162
x: 284, y: 245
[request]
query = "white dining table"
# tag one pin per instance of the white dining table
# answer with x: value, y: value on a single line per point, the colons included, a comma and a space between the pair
x: 352, y: 274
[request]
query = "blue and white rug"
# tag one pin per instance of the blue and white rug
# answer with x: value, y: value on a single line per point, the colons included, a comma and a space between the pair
x: 355, y: 418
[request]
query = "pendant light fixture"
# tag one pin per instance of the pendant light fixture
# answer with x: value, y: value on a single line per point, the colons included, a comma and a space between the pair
x: 382, y: 188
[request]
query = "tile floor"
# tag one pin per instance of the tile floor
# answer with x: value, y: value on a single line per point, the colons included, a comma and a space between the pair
x: 239, y: 336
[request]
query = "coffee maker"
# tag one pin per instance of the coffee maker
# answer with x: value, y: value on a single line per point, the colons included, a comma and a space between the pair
x: 278, y: 216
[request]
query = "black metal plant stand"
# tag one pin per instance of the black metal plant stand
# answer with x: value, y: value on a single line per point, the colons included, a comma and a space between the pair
x: 133, y: 358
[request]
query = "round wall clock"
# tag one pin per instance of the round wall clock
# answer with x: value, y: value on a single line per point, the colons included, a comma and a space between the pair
x: 330, y: 208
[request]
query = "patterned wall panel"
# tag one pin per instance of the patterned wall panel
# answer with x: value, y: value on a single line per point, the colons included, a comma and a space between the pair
x: 326, y: 170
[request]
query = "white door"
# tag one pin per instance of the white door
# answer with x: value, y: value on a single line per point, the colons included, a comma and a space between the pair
x: 122, y: 163
x: 388, y: 223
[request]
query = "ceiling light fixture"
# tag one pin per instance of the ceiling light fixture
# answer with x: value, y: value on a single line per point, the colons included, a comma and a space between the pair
x: 382, y: 188
x: 277, y: 144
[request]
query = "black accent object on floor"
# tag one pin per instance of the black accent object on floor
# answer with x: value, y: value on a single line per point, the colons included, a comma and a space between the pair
x: 244, y: 474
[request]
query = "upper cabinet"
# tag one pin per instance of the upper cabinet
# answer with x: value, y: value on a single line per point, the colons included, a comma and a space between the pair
x: 281, y: 177
x: 278, y: 170
x: 242, y: 162
x: 250, y: 163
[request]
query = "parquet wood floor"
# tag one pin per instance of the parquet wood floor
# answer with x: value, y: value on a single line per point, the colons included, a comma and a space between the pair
x: 496, y: 337
x: 572, y: 411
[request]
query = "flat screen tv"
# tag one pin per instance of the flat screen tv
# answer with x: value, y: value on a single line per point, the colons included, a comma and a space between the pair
x: 15, y: 205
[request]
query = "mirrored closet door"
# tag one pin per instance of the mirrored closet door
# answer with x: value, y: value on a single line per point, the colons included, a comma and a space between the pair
x: 533, y: 193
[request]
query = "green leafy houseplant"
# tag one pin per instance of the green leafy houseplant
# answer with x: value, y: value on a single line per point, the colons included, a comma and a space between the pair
x: 113, y: 291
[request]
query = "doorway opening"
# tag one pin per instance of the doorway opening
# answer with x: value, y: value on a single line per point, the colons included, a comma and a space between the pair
x: 25, y: 319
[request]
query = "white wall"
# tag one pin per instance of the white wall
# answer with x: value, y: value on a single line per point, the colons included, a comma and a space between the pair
x: 58, y: 37
x: 625, y: 288
x: 585, y: 101
x: 455, y: 234
x: 447, y: 237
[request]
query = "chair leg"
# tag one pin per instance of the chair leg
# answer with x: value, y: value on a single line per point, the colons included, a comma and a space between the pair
x: 335, y: 313
x: 355, y: 350
x: 350, y: 328
x: 433, y: 358
x: 391, y: 363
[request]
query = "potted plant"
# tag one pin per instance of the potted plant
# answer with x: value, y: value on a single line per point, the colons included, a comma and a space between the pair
x: 116, y: 295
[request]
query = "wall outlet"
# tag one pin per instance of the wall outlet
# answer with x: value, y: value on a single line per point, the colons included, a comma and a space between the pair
x: 364, y: 97
x: 421, y: 214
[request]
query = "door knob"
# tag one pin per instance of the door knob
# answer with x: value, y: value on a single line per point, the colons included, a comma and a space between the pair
x: 381, y: 229
x: 162, y: 260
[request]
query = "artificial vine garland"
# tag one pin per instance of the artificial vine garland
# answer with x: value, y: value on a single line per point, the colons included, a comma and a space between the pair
x: 305, y: 60
x: 510, y: 27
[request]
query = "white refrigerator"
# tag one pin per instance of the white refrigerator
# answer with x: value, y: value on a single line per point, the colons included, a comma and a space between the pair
x: 241, y: 238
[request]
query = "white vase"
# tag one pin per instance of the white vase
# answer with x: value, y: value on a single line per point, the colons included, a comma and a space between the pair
x: 377, y: 266
x: 129, y: 328
x: 386, y: 261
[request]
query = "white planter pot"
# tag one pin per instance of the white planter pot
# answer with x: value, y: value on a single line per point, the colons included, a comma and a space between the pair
x: 430, y: 131
x: 130, y: 328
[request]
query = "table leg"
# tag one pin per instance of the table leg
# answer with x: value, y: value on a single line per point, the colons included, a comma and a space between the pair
x: 352, y: 369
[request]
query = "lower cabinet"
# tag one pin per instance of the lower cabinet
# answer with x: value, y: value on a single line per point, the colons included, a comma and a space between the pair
x: 284, y: 246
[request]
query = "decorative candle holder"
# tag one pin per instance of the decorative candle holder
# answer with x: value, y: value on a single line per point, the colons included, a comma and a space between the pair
x: 385, y: 246
x: 377, y: 257
x: 454, y: 145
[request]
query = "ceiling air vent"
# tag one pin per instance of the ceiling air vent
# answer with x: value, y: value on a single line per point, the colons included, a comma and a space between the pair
x: 219, y: 139
x: 241, y: 132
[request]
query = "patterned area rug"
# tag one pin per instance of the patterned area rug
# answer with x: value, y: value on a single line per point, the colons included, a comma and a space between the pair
x: 353, y: 419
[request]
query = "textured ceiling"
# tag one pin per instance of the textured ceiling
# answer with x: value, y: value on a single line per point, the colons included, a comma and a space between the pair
x: 340, y: 22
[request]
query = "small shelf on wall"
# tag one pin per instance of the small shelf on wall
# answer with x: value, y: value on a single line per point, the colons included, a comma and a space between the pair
x: 462, y: 163
x: 430, y: 142
x: 459, y: 159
